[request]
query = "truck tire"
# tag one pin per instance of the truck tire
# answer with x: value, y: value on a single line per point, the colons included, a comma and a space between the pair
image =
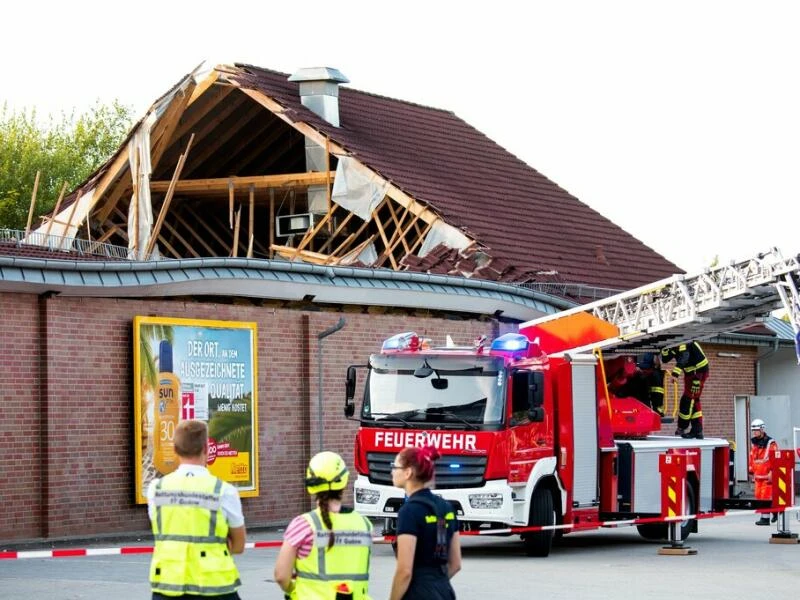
x: 542, y: 513
x: 660, y: 531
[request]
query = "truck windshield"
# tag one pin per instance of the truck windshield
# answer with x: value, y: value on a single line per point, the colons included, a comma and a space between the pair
x: 457, y: 391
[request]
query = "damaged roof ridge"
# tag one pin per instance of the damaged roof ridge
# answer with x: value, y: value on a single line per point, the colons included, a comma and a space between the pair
x: 346, y: 88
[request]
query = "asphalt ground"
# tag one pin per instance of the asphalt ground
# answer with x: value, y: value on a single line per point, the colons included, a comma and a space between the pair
x: 734, y: 559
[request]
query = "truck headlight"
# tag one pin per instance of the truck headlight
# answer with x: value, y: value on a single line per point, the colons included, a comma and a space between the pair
x: 364, y: 496
x: 493, y: 500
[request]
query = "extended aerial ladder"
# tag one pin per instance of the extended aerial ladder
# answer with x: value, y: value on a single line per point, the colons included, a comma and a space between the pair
x: 677, y: 309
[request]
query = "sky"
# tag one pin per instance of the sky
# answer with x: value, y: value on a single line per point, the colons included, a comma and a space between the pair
x: 679, y: 120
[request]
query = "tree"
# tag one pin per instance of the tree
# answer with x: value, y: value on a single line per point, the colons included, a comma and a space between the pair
x: 67, y: 150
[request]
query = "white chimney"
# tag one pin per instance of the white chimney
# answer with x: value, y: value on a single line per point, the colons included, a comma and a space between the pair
x: 319, y: 91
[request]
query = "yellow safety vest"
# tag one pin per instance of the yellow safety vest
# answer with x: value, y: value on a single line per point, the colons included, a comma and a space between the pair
x: 321, y: 572
x: 191, y: 553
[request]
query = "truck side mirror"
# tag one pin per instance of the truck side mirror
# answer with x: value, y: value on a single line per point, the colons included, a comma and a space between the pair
x: 350, y: 392
x: 536, y: 396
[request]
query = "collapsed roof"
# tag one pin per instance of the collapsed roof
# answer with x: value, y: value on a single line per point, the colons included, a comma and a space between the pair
x: 244, y: 161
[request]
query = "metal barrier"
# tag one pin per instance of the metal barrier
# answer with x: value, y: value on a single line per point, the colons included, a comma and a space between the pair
x: 57, y: 243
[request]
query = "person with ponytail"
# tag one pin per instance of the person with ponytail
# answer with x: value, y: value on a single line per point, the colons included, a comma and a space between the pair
x: 428, y: 548
x: 326, y: 552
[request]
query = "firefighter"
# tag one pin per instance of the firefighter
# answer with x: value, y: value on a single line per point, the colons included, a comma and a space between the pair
x: 326, y: 552
x: 653, y: 375
x: 759, y: 465
x: 691, y: 362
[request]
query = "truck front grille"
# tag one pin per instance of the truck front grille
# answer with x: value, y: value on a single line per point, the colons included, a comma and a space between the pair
x: 452, y: 471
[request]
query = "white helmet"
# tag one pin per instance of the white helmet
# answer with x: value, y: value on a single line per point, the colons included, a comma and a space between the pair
x: 757, y: 424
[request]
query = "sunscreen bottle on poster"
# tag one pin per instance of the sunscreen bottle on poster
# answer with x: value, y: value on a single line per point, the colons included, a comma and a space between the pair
x: 167, y: 412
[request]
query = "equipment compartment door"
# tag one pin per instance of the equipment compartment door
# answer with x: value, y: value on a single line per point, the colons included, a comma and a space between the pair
x: 584, y: 412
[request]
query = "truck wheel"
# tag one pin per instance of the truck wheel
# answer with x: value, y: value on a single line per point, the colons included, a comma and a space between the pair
x: 542, y: 513
x: 660, y: 531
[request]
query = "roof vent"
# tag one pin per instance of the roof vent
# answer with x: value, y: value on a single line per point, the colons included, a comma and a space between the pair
x: 319, y: 91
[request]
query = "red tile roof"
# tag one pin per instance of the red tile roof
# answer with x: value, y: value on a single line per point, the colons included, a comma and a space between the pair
x: 515, y: 212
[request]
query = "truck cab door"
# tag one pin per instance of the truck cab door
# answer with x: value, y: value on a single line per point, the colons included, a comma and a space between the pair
x: 531, y: 435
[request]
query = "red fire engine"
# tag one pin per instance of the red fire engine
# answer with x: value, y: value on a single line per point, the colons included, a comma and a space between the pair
x: 530, y: 435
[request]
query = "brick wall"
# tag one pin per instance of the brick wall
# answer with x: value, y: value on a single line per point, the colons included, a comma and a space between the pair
x: 81, y: 482
x: 67, y: 402
x: 21, y: 459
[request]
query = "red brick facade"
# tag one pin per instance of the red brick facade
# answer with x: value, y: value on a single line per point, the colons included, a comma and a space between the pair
x: 67, y: 403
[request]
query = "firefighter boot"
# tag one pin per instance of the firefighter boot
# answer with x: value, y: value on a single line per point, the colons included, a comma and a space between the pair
x: 695, y: 431
x: 774, y: 517
x: 764, y: 520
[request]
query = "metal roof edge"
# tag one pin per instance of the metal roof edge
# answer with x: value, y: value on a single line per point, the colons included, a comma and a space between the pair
x: 33, y: 273
x: 749, y: 339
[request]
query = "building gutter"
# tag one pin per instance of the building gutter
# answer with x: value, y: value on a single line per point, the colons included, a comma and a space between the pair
x: 272, y: 279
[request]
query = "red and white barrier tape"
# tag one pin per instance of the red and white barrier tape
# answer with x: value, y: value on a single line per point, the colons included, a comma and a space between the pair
x: 73, y: 552
x: 589, y: 525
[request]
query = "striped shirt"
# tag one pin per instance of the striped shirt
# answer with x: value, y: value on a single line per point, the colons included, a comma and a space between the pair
x: 300, y: 535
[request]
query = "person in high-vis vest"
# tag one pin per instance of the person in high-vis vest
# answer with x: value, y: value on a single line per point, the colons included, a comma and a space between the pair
x: 691, y: 362
x: 428, y: 546
x: 762, y: 448
x: 325, y: 553
x: 197, y: 525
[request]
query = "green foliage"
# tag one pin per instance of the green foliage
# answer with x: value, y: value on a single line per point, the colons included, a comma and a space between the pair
x: 234, y: 428
x: 67, y: 150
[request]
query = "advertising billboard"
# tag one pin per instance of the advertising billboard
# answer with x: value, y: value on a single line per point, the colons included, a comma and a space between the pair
x: 196, y: 369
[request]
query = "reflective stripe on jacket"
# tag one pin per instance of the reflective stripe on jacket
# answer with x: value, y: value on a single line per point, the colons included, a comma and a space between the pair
x: 191, y: 553
x: 688, y: 357
x: 325, y: 569
x: 760, y: 459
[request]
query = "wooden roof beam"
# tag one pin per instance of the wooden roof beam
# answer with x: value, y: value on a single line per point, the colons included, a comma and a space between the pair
x: 386, y: 243
x: 113, y: 197
x: 207, y: 227
x: 305, y: 255
x: 262, y: 137
x: 205, y: 128
x: 164, y: 129
x: 220, y: 184
x: 400, y: 235
x: 191, y: 120
x: 243, y: 118
x: 199, y: 238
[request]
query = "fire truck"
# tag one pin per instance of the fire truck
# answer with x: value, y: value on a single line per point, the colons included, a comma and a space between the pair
x: 532, y: 442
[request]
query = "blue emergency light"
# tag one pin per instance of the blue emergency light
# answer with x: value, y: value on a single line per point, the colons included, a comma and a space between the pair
x: 510, y: 342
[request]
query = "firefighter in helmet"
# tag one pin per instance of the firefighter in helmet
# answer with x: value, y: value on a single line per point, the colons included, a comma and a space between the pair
x: 691, y: 362
x: 762, y: 447
x: 325, y: 552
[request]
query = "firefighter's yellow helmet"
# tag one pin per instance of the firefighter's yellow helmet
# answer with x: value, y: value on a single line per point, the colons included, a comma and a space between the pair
x: 326, y: 472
